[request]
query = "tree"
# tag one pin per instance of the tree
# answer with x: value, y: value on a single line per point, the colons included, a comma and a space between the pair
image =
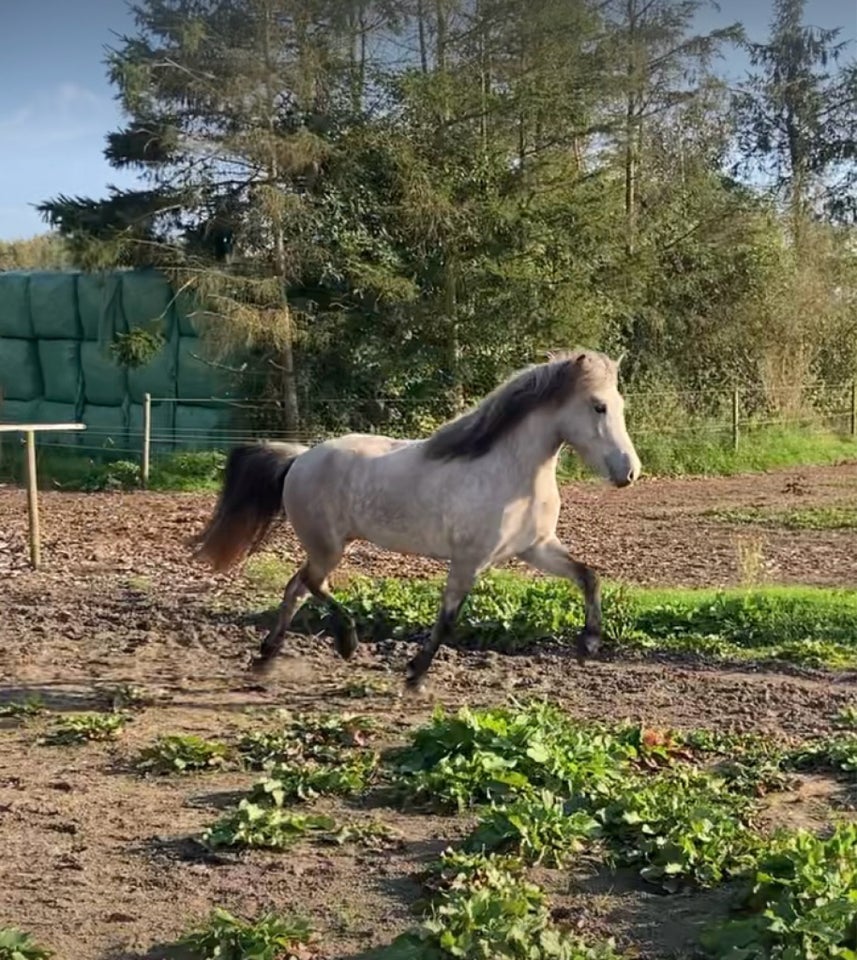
x: 235, y: 108
x: 798, y: 118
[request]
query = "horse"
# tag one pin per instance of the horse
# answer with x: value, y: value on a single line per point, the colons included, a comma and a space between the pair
x: 481, y: 490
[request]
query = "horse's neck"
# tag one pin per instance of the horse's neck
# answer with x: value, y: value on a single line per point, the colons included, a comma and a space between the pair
x: 533, y: 446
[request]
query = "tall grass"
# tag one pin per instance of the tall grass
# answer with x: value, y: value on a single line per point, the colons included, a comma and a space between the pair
x: 702, y: 453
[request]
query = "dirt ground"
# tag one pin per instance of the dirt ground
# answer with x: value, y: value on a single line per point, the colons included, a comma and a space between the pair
x: 98, y: 862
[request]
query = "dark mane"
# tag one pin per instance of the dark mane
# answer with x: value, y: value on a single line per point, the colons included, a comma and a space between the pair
x: 475, y: 433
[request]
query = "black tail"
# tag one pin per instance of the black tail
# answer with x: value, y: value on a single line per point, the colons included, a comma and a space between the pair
x: 250, y: 500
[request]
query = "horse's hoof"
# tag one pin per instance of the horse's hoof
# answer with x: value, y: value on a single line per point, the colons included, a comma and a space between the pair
x: 346, y: 643
x: 587, y: 645
x: 415, y: 684
x: 261, y: 665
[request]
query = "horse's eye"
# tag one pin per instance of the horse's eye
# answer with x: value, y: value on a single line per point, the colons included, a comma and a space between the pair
x: 601, y: 408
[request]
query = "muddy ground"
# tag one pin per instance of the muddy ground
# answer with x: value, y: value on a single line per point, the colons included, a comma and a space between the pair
x: 97, y: 862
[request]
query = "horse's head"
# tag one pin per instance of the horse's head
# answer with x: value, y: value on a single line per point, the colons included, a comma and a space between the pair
x: 592, y: 419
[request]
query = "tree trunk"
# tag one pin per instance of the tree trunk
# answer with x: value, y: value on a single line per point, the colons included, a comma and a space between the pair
x: 631, y: 133
x: 291, y: 409
x: 421, y: 33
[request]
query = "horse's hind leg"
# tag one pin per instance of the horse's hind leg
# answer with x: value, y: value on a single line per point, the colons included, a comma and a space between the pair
x: 293, y: 598
x: 343, y: 627
x: 553, y: 557
x: 458, y: 584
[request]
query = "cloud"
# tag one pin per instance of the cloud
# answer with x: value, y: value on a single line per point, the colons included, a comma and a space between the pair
x: 61, y: 114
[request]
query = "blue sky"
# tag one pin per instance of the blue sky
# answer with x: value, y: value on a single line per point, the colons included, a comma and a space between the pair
x: 56, y: 104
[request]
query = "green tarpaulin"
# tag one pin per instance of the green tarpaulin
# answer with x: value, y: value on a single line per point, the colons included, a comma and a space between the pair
x: 20, y: 373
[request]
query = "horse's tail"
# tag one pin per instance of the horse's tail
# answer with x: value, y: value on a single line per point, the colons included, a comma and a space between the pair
x: 250, y: 500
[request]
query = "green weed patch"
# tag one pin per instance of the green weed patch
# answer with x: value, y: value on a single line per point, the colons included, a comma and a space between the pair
x: 801, y: 903
x: 270, y: 937
x: 182, y: 753
x: 812, y: 627
x: 84, y: 728
x: 810, y: 518
x: 483, y: 908
x: 17, y: 945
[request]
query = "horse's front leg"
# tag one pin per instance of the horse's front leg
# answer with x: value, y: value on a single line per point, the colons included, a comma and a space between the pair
x: 459, y: 583
x: 552, y: 557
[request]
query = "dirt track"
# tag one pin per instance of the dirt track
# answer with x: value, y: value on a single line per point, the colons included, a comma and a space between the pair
x: 95, y: 858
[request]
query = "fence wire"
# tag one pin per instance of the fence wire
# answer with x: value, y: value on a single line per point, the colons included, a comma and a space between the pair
x: 650, y: 414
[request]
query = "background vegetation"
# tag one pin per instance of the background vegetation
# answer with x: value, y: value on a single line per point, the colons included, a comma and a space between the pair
x: 394, y: 203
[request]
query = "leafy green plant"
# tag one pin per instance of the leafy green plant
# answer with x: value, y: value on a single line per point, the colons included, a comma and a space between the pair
x: 833, y: 517
x: 814, y: 627
x: 489, y: 755
x: 320, y: 738
x: 188, y: 471
x: 136, y: 347
x: 126, y: 696
x: 114, y: 475
x: 748, y: 763
x: 800, y: 905
x: 371, y: 834
x: 268, y: 827
x: 270, y: 937
x: 847, y: 717
x: 305, y: 780
x: 85, y: 728
x: 540, y: 828
x: 361, y: 689
x: 684, y: 826
x: 831, y: 753
x: 182, y: 753
x: 17, y: 945
x: 22, y: 709
x: 482, y: 910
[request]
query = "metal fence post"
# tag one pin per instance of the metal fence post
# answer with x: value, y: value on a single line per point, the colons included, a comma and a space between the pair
x: 735, y: 407
x: 147, y: 439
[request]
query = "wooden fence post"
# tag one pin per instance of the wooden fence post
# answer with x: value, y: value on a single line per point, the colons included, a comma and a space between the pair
x: 147, y: 438
x: 735, y: 408
x: 33, y: 502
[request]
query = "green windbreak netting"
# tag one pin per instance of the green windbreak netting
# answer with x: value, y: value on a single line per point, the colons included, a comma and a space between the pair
x: 197, y: 379
x: 157, y: 377
x: 19, y: 411
x: 195, y: 422
x: 106, y: 427
x: 60, y: 363
x: 56, y: 333
x: 53, y: 306
x: 15, y: 305
x: 20, y: 373
x: 49, y: 412
x: 163, y: 420
x: 147, y: 300
x: 104, y: 382
x: 99, y: 301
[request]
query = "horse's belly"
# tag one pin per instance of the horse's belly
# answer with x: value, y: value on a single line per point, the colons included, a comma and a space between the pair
x: 403, y: 538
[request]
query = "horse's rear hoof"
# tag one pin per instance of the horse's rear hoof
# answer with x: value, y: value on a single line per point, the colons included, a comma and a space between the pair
x: 415, y: 684
x: 346, y: 642
x: 587, y: 645
x: 261, y: 665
